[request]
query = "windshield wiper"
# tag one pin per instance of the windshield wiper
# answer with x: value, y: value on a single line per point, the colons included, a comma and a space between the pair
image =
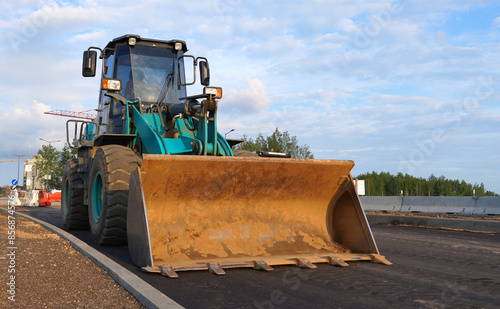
x: 165, y: 87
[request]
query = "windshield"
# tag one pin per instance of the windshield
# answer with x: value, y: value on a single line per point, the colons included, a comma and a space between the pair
x: 147, y: 73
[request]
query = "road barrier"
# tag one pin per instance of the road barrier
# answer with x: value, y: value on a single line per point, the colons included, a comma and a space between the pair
x: 487, y: 206
x: 14, y: 198
x: 55, y: 196
x: 460, y: 205
x: 31, y: 198
x: 43, y: 199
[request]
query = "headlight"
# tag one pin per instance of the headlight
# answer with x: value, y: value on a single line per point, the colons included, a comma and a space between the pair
x: 215, y: 91
x: 111, y: 84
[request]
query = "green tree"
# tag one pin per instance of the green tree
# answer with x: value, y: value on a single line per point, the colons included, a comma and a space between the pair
x: 66, y: 154
x: 277, y: 142
x: 51, y: 162
x: 47, y: 166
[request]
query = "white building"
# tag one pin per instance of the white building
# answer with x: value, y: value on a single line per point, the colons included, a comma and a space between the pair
x: 30, y: 175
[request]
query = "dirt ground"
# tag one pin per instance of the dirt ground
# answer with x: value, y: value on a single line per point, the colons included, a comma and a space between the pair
x: 49, y: 273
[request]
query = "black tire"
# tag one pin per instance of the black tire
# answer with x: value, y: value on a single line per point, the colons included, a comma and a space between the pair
x: 108, y: 193
x: 73, y: 212
x: 244, y: 153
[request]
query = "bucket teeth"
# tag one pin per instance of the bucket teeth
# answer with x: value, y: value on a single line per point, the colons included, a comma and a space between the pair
x: 379, y: 259
x: 262, y: 265
x: 304, y: 263
x: 216, y: 269
x: 336, y: 261
x: 168, y: 272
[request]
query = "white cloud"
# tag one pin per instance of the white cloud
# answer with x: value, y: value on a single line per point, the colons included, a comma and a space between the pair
x: 23, y: 124
x: 251, y: 99
x: 496, y: 22
x: 89, y: 37
x: 369, y: 149
x: 258, y: 26
x: 277, y: 46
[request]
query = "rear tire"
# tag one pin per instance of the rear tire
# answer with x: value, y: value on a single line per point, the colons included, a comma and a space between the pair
x: 73, y: 212
x: 108, y: 193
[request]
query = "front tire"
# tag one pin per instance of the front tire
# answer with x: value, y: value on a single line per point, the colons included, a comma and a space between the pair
x: 108, y: 193
x: 73, y: 210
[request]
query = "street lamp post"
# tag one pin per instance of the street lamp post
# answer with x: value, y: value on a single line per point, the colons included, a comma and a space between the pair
x: 228, y: 132
x: 19, y: 155
x: 18, y: 163
x: 50, y: 142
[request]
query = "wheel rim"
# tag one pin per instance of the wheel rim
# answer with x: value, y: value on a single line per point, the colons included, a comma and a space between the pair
x: 96, y: 196
x: 65, y: 197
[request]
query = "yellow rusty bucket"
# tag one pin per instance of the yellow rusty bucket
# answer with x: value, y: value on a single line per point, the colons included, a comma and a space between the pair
x: 197, y: 212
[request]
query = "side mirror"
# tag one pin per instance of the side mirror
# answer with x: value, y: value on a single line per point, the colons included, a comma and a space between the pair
x: 204, y: 73
x: 89, y: 63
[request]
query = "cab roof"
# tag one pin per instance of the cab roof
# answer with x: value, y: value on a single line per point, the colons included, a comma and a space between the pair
x: 125, y: 38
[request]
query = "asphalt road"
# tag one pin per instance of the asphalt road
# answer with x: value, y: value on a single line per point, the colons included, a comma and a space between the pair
x: 432, y: 269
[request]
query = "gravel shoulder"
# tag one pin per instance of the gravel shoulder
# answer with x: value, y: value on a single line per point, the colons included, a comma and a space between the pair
x: 50, y: 273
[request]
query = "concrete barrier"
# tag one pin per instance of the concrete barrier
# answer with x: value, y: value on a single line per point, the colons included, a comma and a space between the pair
x: 487, y: 205
x: 439, y: 204
x: 375, y: 203
x: 461, y: 205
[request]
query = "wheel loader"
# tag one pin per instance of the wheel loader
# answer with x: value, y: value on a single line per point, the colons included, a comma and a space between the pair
x: 153, y: 172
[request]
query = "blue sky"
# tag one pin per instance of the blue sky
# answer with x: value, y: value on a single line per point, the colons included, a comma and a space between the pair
x: 396, y: 86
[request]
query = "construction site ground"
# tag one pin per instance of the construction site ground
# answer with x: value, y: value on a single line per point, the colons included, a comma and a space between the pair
x: 432, y: 269
x: 49, y: 273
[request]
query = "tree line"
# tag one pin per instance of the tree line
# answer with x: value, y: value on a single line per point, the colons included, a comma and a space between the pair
x: 386, y: 184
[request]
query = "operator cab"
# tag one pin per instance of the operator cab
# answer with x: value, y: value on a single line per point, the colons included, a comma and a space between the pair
x: 148, y: 73
x: 148, y: 70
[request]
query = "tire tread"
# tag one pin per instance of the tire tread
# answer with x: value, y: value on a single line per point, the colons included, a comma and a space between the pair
x: 117, y: 163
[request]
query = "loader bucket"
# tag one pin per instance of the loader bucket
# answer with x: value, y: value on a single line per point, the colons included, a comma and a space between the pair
x: 199, y: 212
